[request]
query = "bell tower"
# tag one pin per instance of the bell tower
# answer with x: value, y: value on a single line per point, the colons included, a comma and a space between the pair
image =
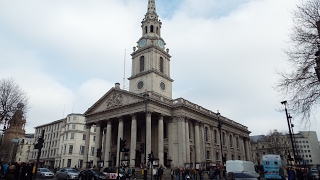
x: 150, y: 60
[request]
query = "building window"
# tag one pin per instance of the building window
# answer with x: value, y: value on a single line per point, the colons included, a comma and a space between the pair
x: 81, y: 152
x: 94, y: 138
x: 161, y: 64
x: 68, y: 119
x: 141, y: 63
x: 206, y: 134
x: 72, y: 136
x: 231, y: 142
x: 208, y: 155
x: 157, y: 30
x: 95, y: 129
x: 215, y: 136
x: 83, y: 137
x: 69, y: 163
x: 92, y: 151
x: 74, y: 118
x: 70, y: 149
x: 151, y: 28
x: 232, y: 157
x: 217, y: 155
x: 66, y: 136
x: 73, y: 126
x: 84, y: 127
x: 145, y: 29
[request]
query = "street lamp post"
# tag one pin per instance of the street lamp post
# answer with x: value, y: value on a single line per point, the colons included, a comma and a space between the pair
x: 220, y: 127
x: 289, y: 126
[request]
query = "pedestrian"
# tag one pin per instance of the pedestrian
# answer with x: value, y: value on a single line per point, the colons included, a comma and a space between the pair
x: 211, y: 173
x: 129, y: 172
x: 133, y: 172
x: 1, y: 171
x: 172, y: 174
x: 10, y: 174
x: 217, y: 173
x: 160, y: 173
x: 192, y: 173
x: 177, y: 173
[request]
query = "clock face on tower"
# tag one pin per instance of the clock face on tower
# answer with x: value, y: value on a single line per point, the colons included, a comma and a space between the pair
x: 142, y: 42
x: 160, y: 43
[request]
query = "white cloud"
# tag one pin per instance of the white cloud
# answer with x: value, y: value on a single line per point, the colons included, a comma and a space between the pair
x: 67, y: 54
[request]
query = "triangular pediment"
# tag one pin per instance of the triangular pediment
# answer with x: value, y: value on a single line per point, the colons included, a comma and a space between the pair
x: 114, y: 98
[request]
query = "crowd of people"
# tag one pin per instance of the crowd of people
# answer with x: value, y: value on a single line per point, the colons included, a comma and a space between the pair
x: 185, y: 173
x: 16, y: 171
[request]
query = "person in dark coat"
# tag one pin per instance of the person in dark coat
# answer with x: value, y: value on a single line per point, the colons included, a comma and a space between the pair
x: 160, y: 173
x: 10, y: 174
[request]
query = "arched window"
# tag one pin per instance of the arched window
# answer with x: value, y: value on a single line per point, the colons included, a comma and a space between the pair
x: 215, y: 137
x: 223, y: 138
x: 206, y: 134
x: 151, y: 28
x: 231, y: 141
x: 141, y: 63
x: 145, y: 29
x: 161, y: 64
x: 157, y: 31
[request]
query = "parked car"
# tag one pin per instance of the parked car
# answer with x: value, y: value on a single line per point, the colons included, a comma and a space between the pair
x: 241, y: 176
x: 44, y: 173
x: 91, y: 174
x: 67, y: 173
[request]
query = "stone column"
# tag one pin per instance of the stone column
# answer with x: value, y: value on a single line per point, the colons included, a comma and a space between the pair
x: 181, y: 141
x: 160, y: 140
x: 108, y: 143
x: 133, y: 142
x: 197, y: 142
x: 148, y: 135
x: 120, y: 135
x: 170, y: 140
x: 98, y: 142
x: 187, y: 142
x: 247, y: 149
x: 86, y: 146
x: 245, y: 152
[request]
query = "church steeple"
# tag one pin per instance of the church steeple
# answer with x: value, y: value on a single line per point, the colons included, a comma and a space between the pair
x: 151, y: 61
x: 151, y: 6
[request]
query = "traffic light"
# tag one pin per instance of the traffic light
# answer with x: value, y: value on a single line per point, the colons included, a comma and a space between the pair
x: 142, y: 148
x: 149, y: 157
x: 39, y: 145
x: 123, y: 146
x: 98, y: 153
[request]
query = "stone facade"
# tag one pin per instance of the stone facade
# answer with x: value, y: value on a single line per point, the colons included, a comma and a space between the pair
x: 14, y: 132
x: 177, y: 131
x: 25, y: 148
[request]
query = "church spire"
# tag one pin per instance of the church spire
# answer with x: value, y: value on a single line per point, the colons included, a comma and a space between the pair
x: 151, y: 6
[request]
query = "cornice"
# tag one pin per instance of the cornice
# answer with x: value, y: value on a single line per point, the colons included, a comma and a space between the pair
x: 151, y: 71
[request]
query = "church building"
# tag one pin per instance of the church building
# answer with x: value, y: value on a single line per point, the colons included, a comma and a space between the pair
x: 176, y: 132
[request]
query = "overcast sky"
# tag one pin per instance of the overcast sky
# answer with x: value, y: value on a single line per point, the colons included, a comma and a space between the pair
x: 225, y: 53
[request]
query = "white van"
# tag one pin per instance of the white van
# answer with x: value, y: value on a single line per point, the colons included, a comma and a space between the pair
x: 242, y: 166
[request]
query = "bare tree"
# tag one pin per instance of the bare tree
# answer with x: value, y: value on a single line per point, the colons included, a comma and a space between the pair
x: 299, y: 84
x: 12, y: 97
x: 276, y: 142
